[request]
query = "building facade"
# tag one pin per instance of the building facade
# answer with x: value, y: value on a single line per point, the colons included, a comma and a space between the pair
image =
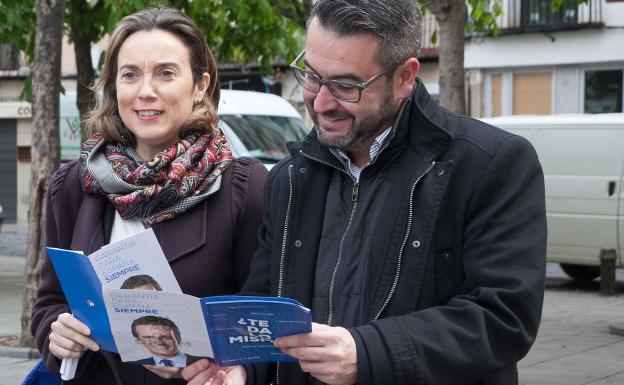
x: 545, y: 62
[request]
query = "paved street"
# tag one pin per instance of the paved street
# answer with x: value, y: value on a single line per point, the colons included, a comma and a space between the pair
x: 574, y: 346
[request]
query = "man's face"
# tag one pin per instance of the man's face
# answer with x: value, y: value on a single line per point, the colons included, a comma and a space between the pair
x: 348, y: 126
x: 158, y: 339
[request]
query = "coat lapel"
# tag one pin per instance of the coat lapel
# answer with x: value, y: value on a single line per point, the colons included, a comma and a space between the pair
x: 173, y: 235
x: 88, y: 233
x: 184, y: 233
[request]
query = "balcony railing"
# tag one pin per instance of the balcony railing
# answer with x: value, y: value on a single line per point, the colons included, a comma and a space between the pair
x: 429, y: 28
x: 521, y: 16
x: 537, y: 15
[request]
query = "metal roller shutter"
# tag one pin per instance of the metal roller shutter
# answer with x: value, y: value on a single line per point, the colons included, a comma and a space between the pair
x: 8, y: 169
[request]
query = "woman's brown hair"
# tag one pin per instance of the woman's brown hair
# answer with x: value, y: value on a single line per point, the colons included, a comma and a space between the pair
x: 104, y: 118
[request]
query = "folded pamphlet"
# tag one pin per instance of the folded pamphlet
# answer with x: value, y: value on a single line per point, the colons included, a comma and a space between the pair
x: 127, y: 294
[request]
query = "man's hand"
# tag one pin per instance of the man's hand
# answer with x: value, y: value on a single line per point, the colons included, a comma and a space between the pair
x: 205, y: 372
x: 164, y: 371
x: 327, y: 353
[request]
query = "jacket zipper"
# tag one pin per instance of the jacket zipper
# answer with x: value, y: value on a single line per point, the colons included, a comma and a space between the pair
x: 405, y: 238
x: 280, y: 282
x: 332, y: 283
x: 354, y: 198
x: 284, y: 239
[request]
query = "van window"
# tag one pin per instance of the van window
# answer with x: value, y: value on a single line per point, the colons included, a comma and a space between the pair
x: 265, y: 136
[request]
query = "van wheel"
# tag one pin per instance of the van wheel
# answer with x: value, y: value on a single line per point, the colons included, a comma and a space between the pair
x: 580, y: 272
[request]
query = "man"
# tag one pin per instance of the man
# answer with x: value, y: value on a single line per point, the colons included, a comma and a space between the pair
x: 416, y: 236
x: 161, y: 337
x: 141, y: 282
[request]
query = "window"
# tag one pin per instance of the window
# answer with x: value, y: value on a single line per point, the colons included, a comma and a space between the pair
x: 264, y: 136
x: 603, y: 91
x: 532, y: 94
x: 539, y: 13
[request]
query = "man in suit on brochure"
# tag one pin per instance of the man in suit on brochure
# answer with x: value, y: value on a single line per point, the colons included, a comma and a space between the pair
x: 161, y: 337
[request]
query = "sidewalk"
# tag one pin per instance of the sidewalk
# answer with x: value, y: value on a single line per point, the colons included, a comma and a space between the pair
x: 574, y: 345
x: 14, y: 362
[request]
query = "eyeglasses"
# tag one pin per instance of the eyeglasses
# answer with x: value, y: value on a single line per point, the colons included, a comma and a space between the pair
x: 345, y: 91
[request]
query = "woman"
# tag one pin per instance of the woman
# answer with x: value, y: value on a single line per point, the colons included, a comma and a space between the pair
x: 156, y: 158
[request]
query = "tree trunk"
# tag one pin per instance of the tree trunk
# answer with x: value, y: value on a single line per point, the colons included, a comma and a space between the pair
x: 45, y: 147
x: 85, y: 98
x: 451, y: 16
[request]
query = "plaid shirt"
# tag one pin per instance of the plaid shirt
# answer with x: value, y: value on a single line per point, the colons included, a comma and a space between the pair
x: 351, y: 167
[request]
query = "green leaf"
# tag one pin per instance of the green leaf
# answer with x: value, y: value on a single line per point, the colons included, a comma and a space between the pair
x: 27, y: 90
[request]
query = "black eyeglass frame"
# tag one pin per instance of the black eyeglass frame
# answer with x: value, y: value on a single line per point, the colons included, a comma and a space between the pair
x: 359, y: 86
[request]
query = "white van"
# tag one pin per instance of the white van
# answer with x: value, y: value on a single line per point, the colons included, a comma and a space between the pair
x: 255, y: 123
x: 582, y: 157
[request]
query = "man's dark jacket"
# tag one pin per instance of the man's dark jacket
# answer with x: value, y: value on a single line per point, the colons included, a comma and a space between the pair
x: 456, y: 269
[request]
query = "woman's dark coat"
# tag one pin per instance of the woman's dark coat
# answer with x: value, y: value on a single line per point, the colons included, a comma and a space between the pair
x: 208, y: 247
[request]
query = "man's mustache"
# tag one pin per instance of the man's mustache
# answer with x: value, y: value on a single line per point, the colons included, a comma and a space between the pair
x: 333, y: 114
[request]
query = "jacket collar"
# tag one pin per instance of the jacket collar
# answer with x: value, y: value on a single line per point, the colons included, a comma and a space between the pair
x: 418, y: 124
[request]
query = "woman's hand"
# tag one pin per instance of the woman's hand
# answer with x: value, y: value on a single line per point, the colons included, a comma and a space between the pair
x: 164, y: 371
x: 204, y: 372
x: 69, y: 337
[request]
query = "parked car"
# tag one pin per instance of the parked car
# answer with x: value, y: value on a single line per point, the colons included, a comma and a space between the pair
x: 255, y: 123
x: 259, y: 124
x: 582, y: 156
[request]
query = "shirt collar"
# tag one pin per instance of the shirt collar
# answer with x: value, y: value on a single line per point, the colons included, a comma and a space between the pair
x: 376, y: 147
x: 178, y: 361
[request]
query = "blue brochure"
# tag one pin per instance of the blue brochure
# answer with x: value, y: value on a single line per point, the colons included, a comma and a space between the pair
x: 128, y: 296
x: 230, y: 329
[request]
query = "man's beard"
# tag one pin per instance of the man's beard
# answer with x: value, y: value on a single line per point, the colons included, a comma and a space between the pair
x: 363, y: 131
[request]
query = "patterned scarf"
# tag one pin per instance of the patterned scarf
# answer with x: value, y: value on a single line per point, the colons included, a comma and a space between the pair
x: 171, y: 183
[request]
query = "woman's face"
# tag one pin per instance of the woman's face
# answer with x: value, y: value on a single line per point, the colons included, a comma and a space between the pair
x: 155, y: 90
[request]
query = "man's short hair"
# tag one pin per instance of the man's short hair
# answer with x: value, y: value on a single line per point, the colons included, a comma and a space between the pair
x: 155, y: 320
x: 140, y: 280
x: 397, y: 24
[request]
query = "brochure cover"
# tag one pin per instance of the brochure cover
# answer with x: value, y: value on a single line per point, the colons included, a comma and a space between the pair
x: 230, y: 329
x: 136, y: 262
x: 242, y: 329
x: 127, y: 295
x: 152, y: 325
x: 137, y: 256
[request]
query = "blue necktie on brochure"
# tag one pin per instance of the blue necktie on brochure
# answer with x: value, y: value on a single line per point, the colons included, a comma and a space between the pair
x: 166, y: 362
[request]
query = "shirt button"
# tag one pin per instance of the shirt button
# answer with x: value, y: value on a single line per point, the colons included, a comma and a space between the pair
x: 440, y: 172
x: 416, y: 244
x: 303, y: 170
x: 298, y: 243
